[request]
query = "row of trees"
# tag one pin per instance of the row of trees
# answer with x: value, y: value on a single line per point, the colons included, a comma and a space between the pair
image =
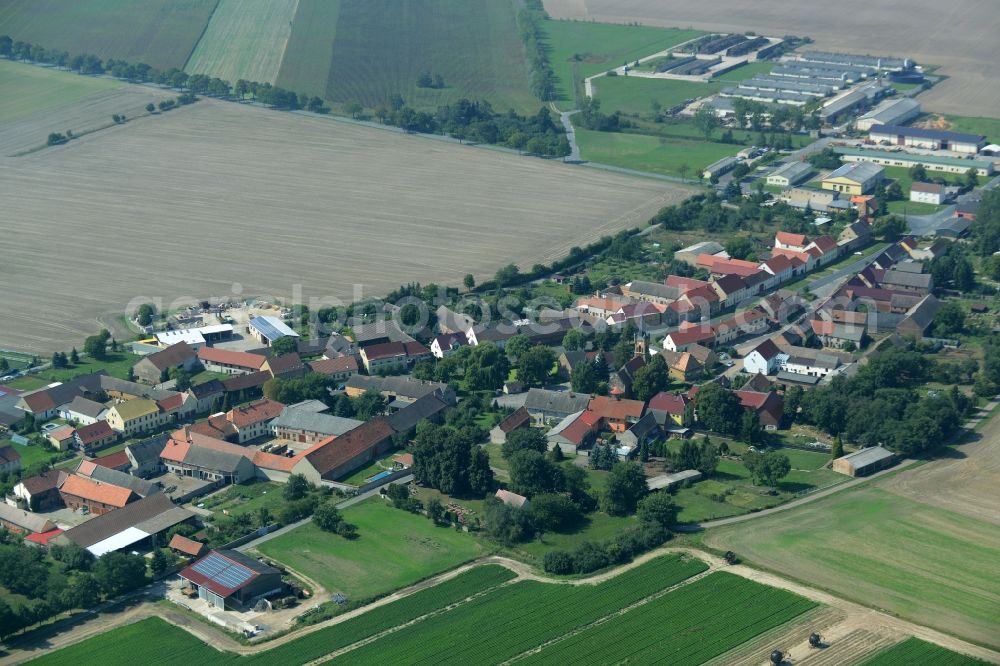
x: 67, y: 578
x: 529, y: 23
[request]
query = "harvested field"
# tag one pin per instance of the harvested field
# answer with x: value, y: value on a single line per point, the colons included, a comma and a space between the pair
x: 161, y: 33
x: 960, y: 36
x: 189, y: 203
x: 245, y: 39
x: 41, y: 100
x: 925, y: 564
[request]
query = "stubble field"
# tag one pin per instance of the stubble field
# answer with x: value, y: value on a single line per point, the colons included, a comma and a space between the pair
x: 960, y: 36
x: 192, y: 202
x: 921, y: 543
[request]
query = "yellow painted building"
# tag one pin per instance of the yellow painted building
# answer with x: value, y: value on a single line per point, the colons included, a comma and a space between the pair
x: 856, y: 178
x: 135, y: 416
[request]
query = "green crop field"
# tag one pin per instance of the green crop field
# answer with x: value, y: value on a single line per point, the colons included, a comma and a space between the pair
x: 988, y: 127
x: 650, y: 153
x: 366, y: 51
x: 924, y: 563
x: 244, y: 40
x: 915, y: 651
x: 28, y: 90
x: 394, y: 549
x: 519, y: 617
x: 632, y: 94
x: 161, y: 33
x: 306, y: 63
x: 169, y: 645
x: 583, y: 49
x: 693, y: 624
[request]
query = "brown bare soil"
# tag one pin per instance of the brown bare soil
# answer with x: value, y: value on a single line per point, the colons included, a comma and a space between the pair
x: 188, y: 204
x: 961, y: 36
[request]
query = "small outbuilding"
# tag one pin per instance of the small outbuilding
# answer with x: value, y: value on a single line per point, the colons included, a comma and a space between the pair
x: 864, y: 462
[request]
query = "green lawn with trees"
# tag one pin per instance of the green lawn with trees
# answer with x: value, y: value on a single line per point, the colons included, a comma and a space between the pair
x: 581, y: 49
x: 393, y: 549
x: 161, y: 33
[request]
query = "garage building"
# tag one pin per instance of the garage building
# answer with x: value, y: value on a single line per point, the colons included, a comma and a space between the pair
x: 928, y: 139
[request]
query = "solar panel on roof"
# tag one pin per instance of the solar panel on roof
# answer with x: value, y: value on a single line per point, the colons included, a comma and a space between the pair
x: 220, y: 570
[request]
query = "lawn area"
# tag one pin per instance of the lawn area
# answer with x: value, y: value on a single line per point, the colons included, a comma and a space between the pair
x: 988, y: 127
x: 366, y: 51
x: 927, y: 564
x: 730, y: 491
x: 207, y: 376
x: 116, y: 364
x: 161, y: 33
x: 394, y: 549
x: 635, y: 95
x: 916, y: 651
x: 583, y: 49
x: 31, y: 454
x: 597, y: 527
x: 241, y: 499
x: 28, y: 383
x: 29, y: 90
x: 650, y: 153
x: 912, y: 207
x: 360, y: 476
x: 903, y: 177
x: 747, y: 71
x: 245, y: 39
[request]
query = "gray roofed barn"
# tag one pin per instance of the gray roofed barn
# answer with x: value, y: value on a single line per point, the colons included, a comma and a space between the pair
x: 864, y: 462
x: 312, y: 422
x: 140, y: 487
x: 546, y: 406
x: 86, y: 407
x: 407, y: 418
x: 920, y: 317
x: 131, y: 515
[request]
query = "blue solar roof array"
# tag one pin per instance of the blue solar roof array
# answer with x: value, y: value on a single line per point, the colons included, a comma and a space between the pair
x: 222, y: 571
x: 272, y: 328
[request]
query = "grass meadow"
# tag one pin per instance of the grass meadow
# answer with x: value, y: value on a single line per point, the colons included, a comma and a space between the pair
x: 633, y: 94
x: 30, y: 90
x: 583, y: 49
x: 245, y: 39
x: 161, y: 33
x: 649, y: 153
x: 394, y: 549
x: 309, y: 51
x: 926, y: 564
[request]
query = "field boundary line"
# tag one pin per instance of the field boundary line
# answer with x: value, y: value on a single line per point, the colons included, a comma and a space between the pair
x: 204, y: 29
x: 607, y: 618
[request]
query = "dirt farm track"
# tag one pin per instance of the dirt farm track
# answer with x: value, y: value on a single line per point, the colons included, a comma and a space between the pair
x: 960, y: 35
x: 189, y: 203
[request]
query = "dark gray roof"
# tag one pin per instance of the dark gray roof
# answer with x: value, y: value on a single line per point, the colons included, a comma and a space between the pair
x: 797, y: 378
x: 563, y: 402
x: 109, y: 383
x: 924, y: 133
x: 207, y: 389
x: 131, y: 515
x: 140, y: 487
x: 923, y: 313
x: 85, y: 406
x: 906, y: 279
x: 408, y: 417
x: 656, y: 289
x: 405, y: 387
x: 217, y: 461
x: 310, y: 421
x: 148, y: 450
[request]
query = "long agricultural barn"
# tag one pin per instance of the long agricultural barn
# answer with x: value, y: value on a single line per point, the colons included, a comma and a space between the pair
x: 851, y: 60
x: 891, y: 158
x: 790, y: 174
x: 889, y: 112
x: 918, y: 137
x: 864, y: 462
